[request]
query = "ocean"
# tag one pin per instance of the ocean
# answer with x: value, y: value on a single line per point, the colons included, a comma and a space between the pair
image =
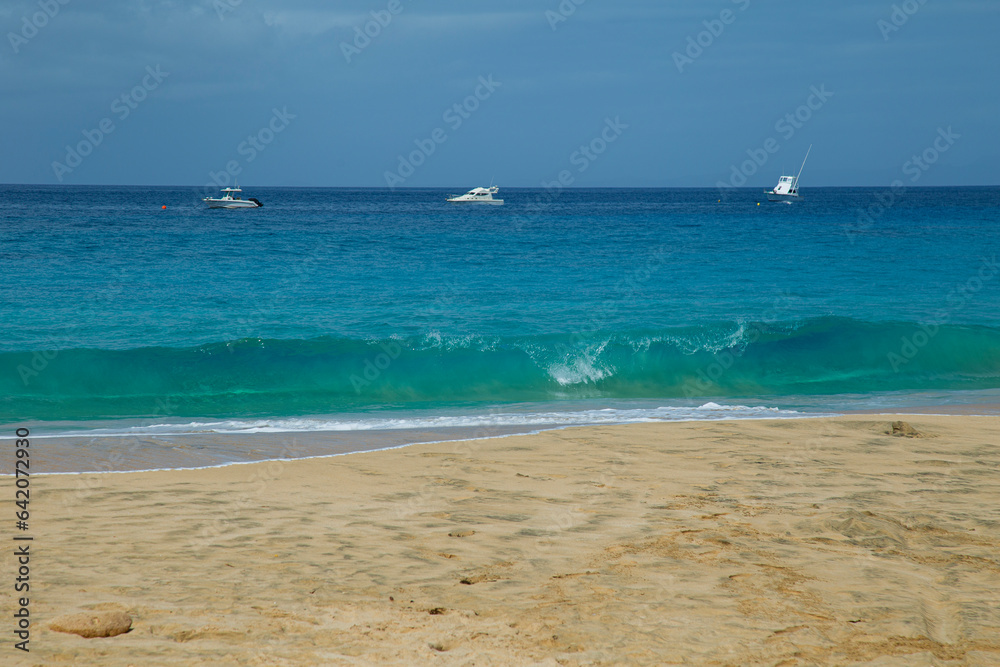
x: 378, y: 318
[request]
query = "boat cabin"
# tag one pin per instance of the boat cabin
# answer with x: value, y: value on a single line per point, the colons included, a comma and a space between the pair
x: 785, y: 186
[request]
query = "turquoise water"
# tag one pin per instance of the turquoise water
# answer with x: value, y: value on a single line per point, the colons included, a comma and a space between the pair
x: 330, y: 302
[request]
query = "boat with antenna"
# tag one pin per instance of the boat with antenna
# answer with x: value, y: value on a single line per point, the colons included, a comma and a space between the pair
x: 231, y: 199
x: 787, y: 189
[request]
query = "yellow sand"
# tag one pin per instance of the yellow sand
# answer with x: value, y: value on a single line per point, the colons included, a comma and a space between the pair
x: 725, y: 543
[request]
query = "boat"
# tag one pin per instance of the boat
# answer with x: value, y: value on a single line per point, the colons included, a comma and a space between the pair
x: 231, y: 199
x: 478, y: 196
x: 787, y: 189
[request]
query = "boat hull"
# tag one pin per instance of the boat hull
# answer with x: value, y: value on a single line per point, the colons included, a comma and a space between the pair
x: 493, y: 202
x: 231, y: 203
x: 788, y: 199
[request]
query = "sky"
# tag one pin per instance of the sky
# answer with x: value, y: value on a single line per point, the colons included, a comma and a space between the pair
x: 415, y: 93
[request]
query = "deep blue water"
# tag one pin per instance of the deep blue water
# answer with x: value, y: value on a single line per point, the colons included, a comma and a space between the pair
x: 331, y: 302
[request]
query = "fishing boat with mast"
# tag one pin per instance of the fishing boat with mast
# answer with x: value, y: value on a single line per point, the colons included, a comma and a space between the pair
x: 787, y: 189
x: 231, y: 199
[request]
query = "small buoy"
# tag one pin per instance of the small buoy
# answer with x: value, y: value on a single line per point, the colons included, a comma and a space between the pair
x: 758, y: 204
x: 164, y: 208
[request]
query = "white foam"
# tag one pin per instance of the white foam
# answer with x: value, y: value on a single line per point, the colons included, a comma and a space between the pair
x: 581, y: 368
x: 708, y: 411
x: 578, y: 371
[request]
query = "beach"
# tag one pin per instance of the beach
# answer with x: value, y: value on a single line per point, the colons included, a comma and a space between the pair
x: 714, y: 379
x: 763, y: 542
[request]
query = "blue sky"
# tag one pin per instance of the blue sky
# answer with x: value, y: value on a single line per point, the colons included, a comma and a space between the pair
x: 283, y: 94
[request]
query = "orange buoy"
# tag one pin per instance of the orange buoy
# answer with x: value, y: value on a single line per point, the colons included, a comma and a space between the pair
x: 164, y: 208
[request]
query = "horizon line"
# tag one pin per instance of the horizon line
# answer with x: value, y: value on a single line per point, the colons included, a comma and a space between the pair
x: 511, y: 187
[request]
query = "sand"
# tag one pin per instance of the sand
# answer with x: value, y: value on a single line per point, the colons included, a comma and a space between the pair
x: 825, y: 541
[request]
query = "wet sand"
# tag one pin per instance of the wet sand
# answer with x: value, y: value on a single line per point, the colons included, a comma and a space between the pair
x: 799, y: 542
x: 155, y: 452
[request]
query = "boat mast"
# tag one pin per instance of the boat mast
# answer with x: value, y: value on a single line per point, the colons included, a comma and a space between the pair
x: 795, y: 186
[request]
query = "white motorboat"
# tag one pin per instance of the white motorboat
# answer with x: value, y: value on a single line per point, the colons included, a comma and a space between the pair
x: 478, y: 196
x: 231, y: 199
x: 787, y: 189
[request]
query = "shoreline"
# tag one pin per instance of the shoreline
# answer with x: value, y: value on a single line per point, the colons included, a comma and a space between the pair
x: 827, y: 541
x: 161, y: 448
x: 354, y: 442
x: 280, y: 440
